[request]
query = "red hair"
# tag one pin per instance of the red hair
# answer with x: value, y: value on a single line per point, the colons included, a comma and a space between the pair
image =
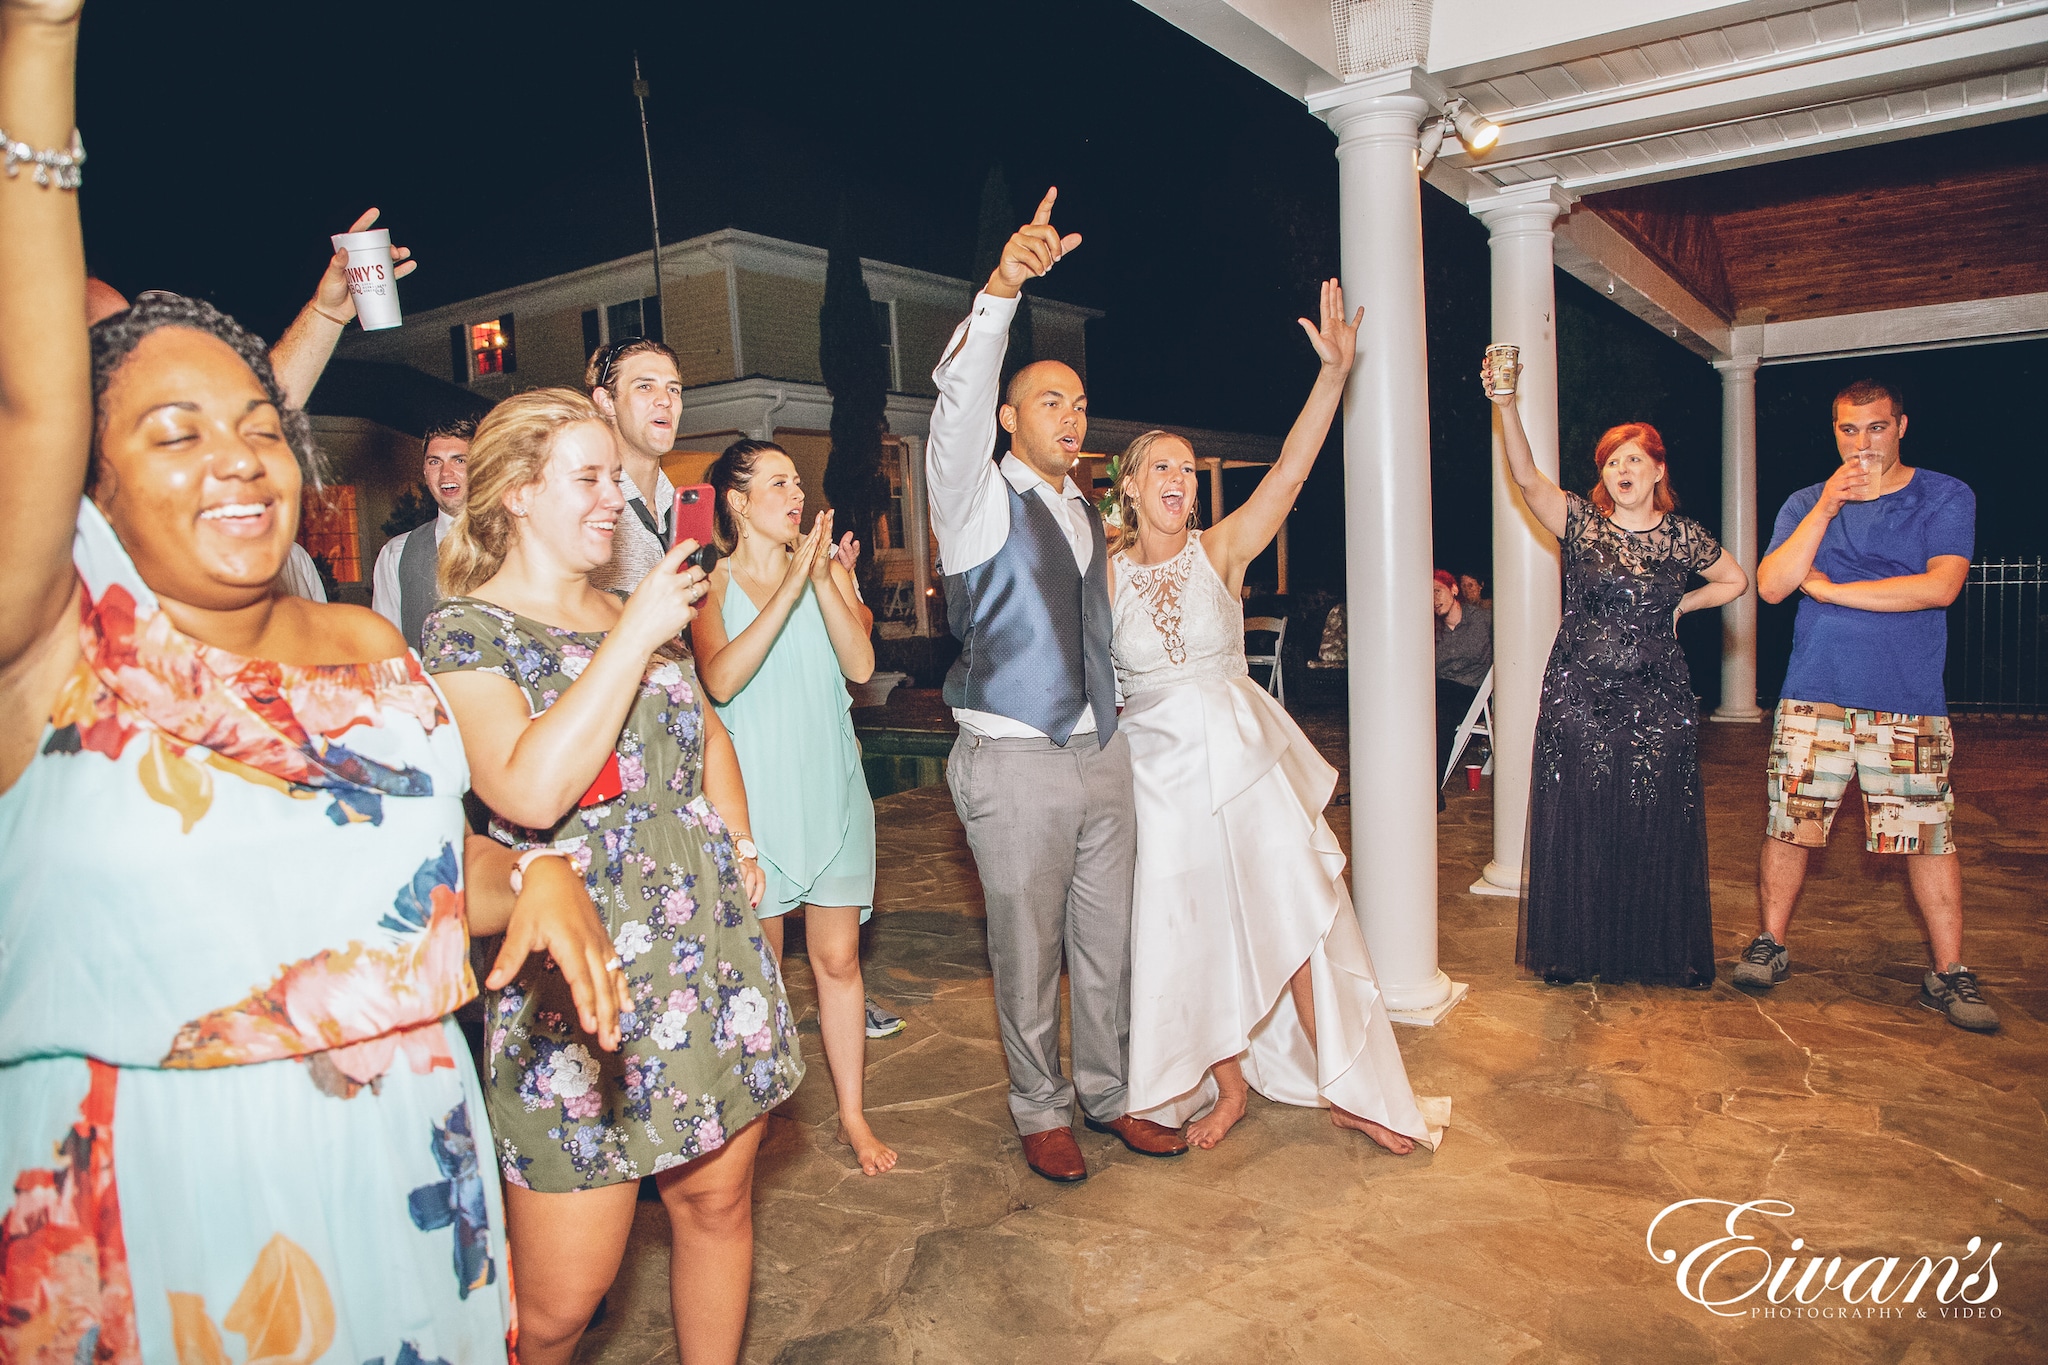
x: 1443, y: 576
x: 1644, y: 435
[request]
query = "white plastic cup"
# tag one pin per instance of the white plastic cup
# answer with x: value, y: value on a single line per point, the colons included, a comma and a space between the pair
x: 371, y: 279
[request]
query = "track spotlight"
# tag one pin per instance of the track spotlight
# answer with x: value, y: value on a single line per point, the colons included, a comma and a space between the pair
x: 1430, y: 142
x: 1475, y: 130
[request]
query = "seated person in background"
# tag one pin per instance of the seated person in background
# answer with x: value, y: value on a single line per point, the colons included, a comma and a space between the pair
x: 1464, y: 652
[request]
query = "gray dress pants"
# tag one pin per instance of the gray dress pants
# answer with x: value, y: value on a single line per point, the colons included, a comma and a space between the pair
x: 1054, y: 836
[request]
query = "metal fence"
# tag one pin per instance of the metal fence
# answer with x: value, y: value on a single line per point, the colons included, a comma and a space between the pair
x: 1994, y: 639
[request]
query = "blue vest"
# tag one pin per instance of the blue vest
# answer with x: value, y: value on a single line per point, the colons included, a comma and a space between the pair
x: 1034, y: 631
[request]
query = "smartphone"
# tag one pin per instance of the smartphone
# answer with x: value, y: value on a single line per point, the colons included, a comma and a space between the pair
x: 694, y: 521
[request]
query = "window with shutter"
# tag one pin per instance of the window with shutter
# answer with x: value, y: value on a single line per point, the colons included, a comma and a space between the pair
x: 622, y: 321
x: 490, y: 346
x: 458, y: 354
x: 650, y: 318
x: 593, y: 335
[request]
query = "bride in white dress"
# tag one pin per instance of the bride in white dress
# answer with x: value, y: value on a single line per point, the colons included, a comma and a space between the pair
x: 1248, y: 968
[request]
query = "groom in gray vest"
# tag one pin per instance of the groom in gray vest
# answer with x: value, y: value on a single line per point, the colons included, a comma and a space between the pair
x: 403, y: 584
x: 1040, y: 777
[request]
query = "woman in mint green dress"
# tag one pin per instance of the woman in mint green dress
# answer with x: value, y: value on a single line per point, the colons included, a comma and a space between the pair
x: 782, y: 632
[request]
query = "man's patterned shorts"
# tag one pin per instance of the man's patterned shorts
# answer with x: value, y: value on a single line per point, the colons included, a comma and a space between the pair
x: 1900, y: 761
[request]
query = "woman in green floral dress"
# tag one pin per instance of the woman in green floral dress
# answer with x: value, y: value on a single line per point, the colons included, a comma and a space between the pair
x: 588, y: 738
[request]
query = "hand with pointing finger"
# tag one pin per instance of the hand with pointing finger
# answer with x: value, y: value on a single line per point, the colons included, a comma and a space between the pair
x: 1031, y: 251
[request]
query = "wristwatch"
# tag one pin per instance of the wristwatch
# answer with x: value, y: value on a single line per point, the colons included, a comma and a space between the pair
x: 745, y: 848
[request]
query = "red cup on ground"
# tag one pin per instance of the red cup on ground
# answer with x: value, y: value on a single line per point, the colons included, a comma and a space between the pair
x: 1472, y: 777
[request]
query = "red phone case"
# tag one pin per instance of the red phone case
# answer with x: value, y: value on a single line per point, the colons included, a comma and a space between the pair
x: 694, y: 519
x: 605, y: 786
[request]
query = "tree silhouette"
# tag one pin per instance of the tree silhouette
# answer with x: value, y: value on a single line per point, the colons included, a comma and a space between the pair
x: 998, y: 220
x: 856, y: 372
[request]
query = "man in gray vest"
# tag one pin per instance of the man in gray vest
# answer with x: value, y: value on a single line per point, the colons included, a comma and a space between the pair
x: 402, y: 585
x: 1040, y: 777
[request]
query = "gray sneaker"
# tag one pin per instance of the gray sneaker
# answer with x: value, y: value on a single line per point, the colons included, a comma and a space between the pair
x: 881, y: 1023
x: 1763, y: 964
x: 1954, y: 993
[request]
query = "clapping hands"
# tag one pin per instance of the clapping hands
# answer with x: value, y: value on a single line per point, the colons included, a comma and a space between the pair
x: 1031, y: 251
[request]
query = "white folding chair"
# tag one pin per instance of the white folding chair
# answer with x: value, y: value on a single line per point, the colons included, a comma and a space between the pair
x: 1478, y: 721
x: 1277, y: 627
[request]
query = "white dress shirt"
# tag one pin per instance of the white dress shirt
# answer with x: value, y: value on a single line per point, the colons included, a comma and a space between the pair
x: 970, y: 509
x: 300, y: 576
x: 384, y: 576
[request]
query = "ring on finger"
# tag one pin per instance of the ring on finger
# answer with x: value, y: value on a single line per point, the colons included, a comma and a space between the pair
x: 613, y: 964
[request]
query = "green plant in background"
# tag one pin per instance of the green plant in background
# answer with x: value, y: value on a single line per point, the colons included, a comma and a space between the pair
x: 415, y: 507
x: 1109, y: 505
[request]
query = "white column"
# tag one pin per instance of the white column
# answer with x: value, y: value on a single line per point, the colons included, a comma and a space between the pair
x: 1738, y: 537
x: 1387, y: 547
x: 1526, y: 591
x: 916, y: 532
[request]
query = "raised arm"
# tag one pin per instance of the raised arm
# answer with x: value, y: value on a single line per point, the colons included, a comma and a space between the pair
x: 1243, y: 536
x: 1546, y: 500
x: 302, y: 353
x: 962, y: 484
x: 531, y: 769
x: 45, y: 366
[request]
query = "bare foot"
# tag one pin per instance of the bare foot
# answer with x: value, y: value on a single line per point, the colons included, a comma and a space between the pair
x: 1208, y: 1130
x: 873, y: 1154
x: 1400, y: 1144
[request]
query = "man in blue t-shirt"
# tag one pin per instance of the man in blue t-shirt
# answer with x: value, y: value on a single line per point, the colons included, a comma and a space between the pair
x: 1879, y: 550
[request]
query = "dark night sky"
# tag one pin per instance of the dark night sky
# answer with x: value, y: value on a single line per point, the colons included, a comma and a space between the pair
x: 502, y: 143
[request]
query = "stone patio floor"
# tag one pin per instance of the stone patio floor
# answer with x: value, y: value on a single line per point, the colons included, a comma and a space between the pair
x: 1579, y: 1113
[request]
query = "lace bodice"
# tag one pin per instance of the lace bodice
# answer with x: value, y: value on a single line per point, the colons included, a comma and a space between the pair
x: 1176, y: 622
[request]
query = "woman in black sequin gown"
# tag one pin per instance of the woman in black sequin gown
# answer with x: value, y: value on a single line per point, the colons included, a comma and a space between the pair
x: 1615, y: 864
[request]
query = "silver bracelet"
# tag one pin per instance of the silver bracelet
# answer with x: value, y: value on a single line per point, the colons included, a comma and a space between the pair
x: 53, y: 167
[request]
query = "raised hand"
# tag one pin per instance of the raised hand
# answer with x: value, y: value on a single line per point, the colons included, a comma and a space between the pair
x: 1499, y: 400
x: 847, y: 552
x: 1848, y: 484
x: 1031, y: 251
x: 1335, y: 340
x: 666, y: 601
x: 332, y: 297
x: 821, y: 562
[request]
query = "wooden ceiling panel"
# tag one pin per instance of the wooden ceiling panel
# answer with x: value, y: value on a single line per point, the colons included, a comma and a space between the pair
x: 1935, y: 220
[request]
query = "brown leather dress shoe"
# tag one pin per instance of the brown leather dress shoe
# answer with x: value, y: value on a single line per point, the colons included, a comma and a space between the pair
x: 1055, y: 1155
x: 1142, y: 1136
